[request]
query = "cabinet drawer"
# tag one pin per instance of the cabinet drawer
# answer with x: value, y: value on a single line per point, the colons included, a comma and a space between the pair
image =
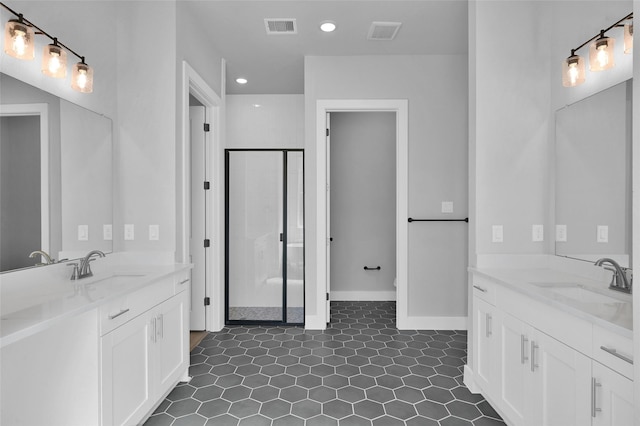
x: 613, y: 350
x: 484, y: 289
x: 125, y: 308
x: 182, y: 281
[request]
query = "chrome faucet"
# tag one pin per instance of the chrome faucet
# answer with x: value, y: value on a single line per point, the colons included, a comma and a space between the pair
x: 83, y: 270
x: 622, y: 277
x: 47, y: 259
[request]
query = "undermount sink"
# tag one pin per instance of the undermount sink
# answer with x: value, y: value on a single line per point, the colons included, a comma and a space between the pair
x: 116, y: 279
x: 578, y: 292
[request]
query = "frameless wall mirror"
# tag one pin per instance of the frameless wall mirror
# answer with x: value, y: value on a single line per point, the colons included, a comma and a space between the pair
x: 55, y: 178
x: 593, y: 177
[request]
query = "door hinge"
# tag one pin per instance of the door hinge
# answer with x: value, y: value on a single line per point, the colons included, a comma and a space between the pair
x: 207, y: 127
x: 281, y: 239
x: 207, y: 242
x: 327, y: 296
x: 207, y: 301
x: 207, y: 186
x: 327, y: 132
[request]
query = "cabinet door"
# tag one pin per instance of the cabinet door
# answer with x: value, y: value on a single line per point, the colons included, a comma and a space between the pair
x: 126, y: 360
x: 485, y: 341
x: 514, y: 366
x: 612, y: 398
x: 172, y: 345
x: 561, y: 384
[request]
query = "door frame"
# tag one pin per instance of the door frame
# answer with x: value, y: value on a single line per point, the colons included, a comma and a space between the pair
x: 401, y: 108
x: 193, y: 84
x: 41, y: 110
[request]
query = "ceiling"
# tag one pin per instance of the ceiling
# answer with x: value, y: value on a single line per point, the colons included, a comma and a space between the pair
x: 274, y: 64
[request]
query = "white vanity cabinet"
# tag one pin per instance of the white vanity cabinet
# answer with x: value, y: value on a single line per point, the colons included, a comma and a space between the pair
x: 539, y: 366
x: 143, y: 358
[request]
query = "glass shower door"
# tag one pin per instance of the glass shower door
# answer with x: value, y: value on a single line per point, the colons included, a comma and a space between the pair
x: 254, y: 258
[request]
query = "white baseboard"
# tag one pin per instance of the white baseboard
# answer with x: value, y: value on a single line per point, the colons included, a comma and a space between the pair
x: 362, y: 296
x: 433, y: 323
x: 469, y: 381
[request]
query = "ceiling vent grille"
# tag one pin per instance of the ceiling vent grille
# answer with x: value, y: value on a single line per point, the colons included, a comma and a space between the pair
x: 280, y: 26
x: 383, y: 30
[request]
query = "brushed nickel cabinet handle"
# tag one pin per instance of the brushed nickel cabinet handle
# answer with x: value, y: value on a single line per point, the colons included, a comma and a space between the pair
x: 594, y: 386
x: 489, y: 332
x: 534, y: 346
x: 523, y: 350
x: 484, y: 290
x: 615, y: 353
x: 183, y: 281
x: 122, y: 312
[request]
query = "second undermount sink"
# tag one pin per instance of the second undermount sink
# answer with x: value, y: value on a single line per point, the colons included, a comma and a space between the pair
x: 577, y: 292
x: 116, y: 279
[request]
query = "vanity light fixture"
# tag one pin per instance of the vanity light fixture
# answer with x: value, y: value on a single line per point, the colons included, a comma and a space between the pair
x: 54, y: 60
x: 19, y: 43
x: 600, y: 54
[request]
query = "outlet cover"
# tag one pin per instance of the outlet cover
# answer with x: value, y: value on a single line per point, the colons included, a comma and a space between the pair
x: 128, y: 232
x: 537, y: 233
x: 561, y: 233
x: 447, y: 207
x: 107, y: 232
x: 83, y: 232
x: 497, y: 234
x: 602, y: 234
x: 154, y: 232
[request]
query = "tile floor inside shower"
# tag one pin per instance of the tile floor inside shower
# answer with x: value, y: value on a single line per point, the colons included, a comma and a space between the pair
x: 361, y: 370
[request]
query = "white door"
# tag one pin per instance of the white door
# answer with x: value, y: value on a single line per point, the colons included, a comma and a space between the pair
x: 485, y: 344
x: 329, y: 237
x: 514, y: 366
x: 197, y: 220
x: 171, y: 339
x: 126, y: 369
x: 560, y: 392
x: 612, y: 398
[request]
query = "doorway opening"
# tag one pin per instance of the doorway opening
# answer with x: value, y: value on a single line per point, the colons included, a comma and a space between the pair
x: 264, y: 229
x: 323, y: 250
x: 361, y: 220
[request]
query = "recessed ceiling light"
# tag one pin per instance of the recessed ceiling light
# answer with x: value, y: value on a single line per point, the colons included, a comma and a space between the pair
x: 241, y: 80
x: 257, y: 105
x: 328, y: 26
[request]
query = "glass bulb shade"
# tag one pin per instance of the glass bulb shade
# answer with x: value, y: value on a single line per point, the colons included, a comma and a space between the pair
x: 18, y: 40
x: 628, y: 38
x: 54, y: 61
x: 601, y: 54
x: 82, y: 78
x: 328, y: 26
x: 573, y: 72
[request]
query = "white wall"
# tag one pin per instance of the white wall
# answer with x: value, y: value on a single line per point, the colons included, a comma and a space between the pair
x: 145, y: 155
x: 278, y: 121
x: 436, y: 87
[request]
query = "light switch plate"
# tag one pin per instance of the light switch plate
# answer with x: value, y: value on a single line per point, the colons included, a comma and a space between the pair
x: 561, y: 233
x: 447, y: 207
x: 128, y: 232
x: 83, y: 232
x: 537, y: 233
x: 602, y: 234
x: 497, y: 234
x: 107, y: 232
x: 154, y: 232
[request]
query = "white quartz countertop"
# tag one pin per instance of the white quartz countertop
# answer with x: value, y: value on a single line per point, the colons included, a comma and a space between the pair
x: 32, y: 303
x: 616, y: 314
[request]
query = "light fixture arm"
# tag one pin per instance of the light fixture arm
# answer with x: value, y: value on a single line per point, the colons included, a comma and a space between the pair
x: 602, y: 32
x: 41, y: 31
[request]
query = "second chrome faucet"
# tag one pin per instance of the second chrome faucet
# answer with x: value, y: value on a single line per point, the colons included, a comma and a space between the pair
x: 83, y: 270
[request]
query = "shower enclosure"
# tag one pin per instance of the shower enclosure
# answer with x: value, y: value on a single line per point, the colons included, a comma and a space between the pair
x: 264, y: 253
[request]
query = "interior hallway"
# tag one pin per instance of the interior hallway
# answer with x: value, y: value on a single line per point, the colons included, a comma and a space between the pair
x: 361, y: 370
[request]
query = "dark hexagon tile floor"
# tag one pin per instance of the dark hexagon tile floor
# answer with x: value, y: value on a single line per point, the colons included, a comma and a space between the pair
x: 361, y: 370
